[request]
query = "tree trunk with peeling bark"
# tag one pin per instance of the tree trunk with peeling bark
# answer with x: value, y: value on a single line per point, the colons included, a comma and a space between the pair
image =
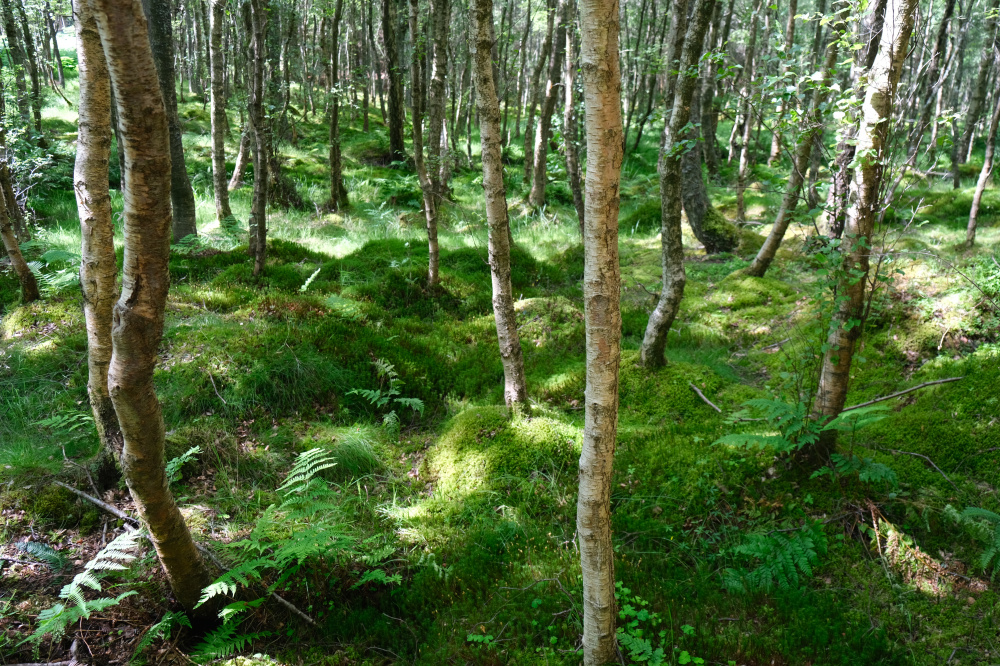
x: 654, y: 342
x: 98, y: 266
x: 599, y: 28
x: 482, y: 40
x: 570, y: 123
x: 29, y: 286
x: 534, y: 91
x: 852, y: 285
x: 139, y: 313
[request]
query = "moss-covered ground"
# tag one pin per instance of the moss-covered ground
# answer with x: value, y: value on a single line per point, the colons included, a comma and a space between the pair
x: 479, y: 508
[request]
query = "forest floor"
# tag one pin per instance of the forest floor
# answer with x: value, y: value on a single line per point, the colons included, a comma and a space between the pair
x: 732, y: 555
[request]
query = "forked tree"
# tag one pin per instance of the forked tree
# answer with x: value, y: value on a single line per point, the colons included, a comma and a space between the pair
x: 139, y: 313
x: 219, y: 122
x: 602, y: 88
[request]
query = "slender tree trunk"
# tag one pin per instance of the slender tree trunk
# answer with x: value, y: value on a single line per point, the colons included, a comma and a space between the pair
x: 599, y: 27
x: 31, y: 59
x: 243, y: 155
x: 258, y: 14
x: 980, y: 87
x: 984, y: 175
x: 654, y: 343
x: 219, y: 124
x: 138, y: 315
x: 748, y: 74
x: 852, y: 286
x: 417, y: 113
x: 570, y: 123
x: 482, y: 40
x: 812, y: 128
x: 162, y: 42
x: 931, y: 79
x: 56, y: 53
x: 17, y: 57
x: 29, y: 286
x: 440, y: 15
x: 338, y: 192
x: 535, y: 91
x: 539, y: 175
x: 521, y: 73
x: 786, y: 60
x: 397, y: 115
x: 98, y: 267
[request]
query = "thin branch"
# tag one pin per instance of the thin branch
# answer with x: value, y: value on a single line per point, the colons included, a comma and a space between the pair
x: 274, y: 595
x: 93, y: 486
x: 896, y: 395
x: 931, y: 462
x: 113, y: 510
x: 702, y: 396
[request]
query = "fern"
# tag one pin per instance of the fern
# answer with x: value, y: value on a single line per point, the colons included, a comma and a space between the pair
x: 985, y: 526
x: 309, y: 281
x: 161, y: 630
x: 387, y: 394
x: 174, y: 465
x: 306, y: 466
x: 225, y: 642
x: 868, y: 470
x: 54, y: 621
x: 780, y: 558
x: 50, y: 556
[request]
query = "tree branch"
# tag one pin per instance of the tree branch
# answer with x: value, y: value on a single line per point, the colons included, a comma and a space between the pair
x: 702, y: 396
x: 896, y: 395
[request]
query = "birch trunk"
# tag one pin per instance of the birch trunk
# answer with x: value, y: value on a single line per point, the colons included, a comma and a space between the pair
x: 338, y: 192
x: 539, y: 174
x: 599, y: 27
x: 775, y: 155
x: 29, y: 286
x: 654, y: 342
x: 570, y: 123
x: 417, y: 113
x: 219, y: 123
x: 873, y: 131
x: 16, y: 54
x: 535, y: 92
x: 813, y: 128
x: 98, y: 266
x: 980, y: 87
x: 440, y: 15
x: 748, y: 74
x: 243, y: 155
x: 138, y: 316
x: 397, y: 115
x: 482, y: 40
x: 261, y: 134
x: 984, y: 175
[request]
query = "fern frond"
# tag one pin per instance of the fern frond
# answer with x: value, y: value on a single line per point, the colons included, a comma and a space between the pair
x: 307, y: 465
x: 225, y: 641
x: 174, y: 465
x: 50, y: 556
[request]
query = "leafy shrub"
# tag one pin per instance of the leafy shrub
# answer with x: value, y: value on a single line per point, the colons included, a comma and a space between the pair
x: 780, y: 559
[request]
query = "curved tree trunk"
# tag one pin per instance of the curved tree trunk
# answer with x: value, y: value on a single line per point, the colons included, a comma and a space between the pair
x: 803, y: 152
x: 98, y: 266
x: 482, y: 39
x: 654, y: 342
x: 539, y: 174
x: 980, y: 87
x: 243, y: 156
x: 599, y: 29
x: 161, y: 40
x: 397, y: 115
x: 219, y: 122
x: 534, y: 92
x: 138, y: 315
x: 984, y: 175
x: 852, y: 286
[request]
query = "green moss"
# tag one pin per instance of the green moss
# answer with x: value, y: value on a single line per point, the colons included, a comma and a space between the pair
x: 750, y: 242
x: 665, y: 393
x: 56, y: 507
x: 724, y: 235
x: 646, y: 218
x: 481, y: 444
x: 737, y: 292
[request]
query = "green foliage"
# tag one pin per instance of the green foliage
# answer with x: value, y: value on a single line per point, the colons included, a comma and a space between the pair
x: 388, y: 394
x: 781, y: 559
x: 868, y: 470
x: 225, y: 641
x: 44, y: 553
x: 174, y: 465
x: 161, y: 631
x: 56, y: 270
x: 985, y: 526
x: 55, y: 620
x: 639, y: 640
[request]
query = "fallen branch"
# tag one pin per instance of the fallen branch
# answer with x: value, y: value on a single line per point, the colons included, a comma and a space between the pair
x: 113, y: 510
x: 274, y: 595
x: 929, y: 461
x: 702, y: 396
x: 17, y: 560
x: 896, y: 395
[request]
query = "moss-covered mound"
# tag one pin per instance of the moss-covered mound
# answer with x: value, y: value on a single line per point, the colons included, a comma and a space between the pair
x: 665, y: 392
x: 738, y: 291
x: 481, y: 445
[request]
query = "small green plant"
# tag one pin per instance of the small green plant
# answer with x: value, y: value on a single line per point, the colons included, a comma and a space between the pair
x: 868, y: 470
x: 161, y: 630
x: 56, y: 271
x: 174, y: 465
x: 984, y: 525
x: 55, y: 620
x: 43, y: 553
x: 482, y: 642
x: 781, y: 559
x: 388, y: 394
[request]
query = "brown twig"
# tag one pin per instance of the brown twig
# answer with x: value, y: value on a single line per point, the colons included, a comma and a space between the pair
x: 93, y: 486
x: 702, y: 396
x: 113, y: 510
x: 896, y: 395
x: 931, y: 462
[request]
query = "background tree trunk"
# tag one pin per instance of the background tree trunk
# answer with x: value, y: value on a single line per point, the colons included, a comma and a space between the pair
x: 535, y: 92
x: 539, y: 175
x: 29, y: 286
x: 258, y: 14
x: 440, y: 15
x: 570, y: 124
x: 603, y: 323
x: 338, y: 192
x: 138, y: 315
x: 482, y: 40
x: 397, y: 115
x: 748, y: 74
x: 984, y: 174
x: 161, y: 40
x: 219, y: 121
